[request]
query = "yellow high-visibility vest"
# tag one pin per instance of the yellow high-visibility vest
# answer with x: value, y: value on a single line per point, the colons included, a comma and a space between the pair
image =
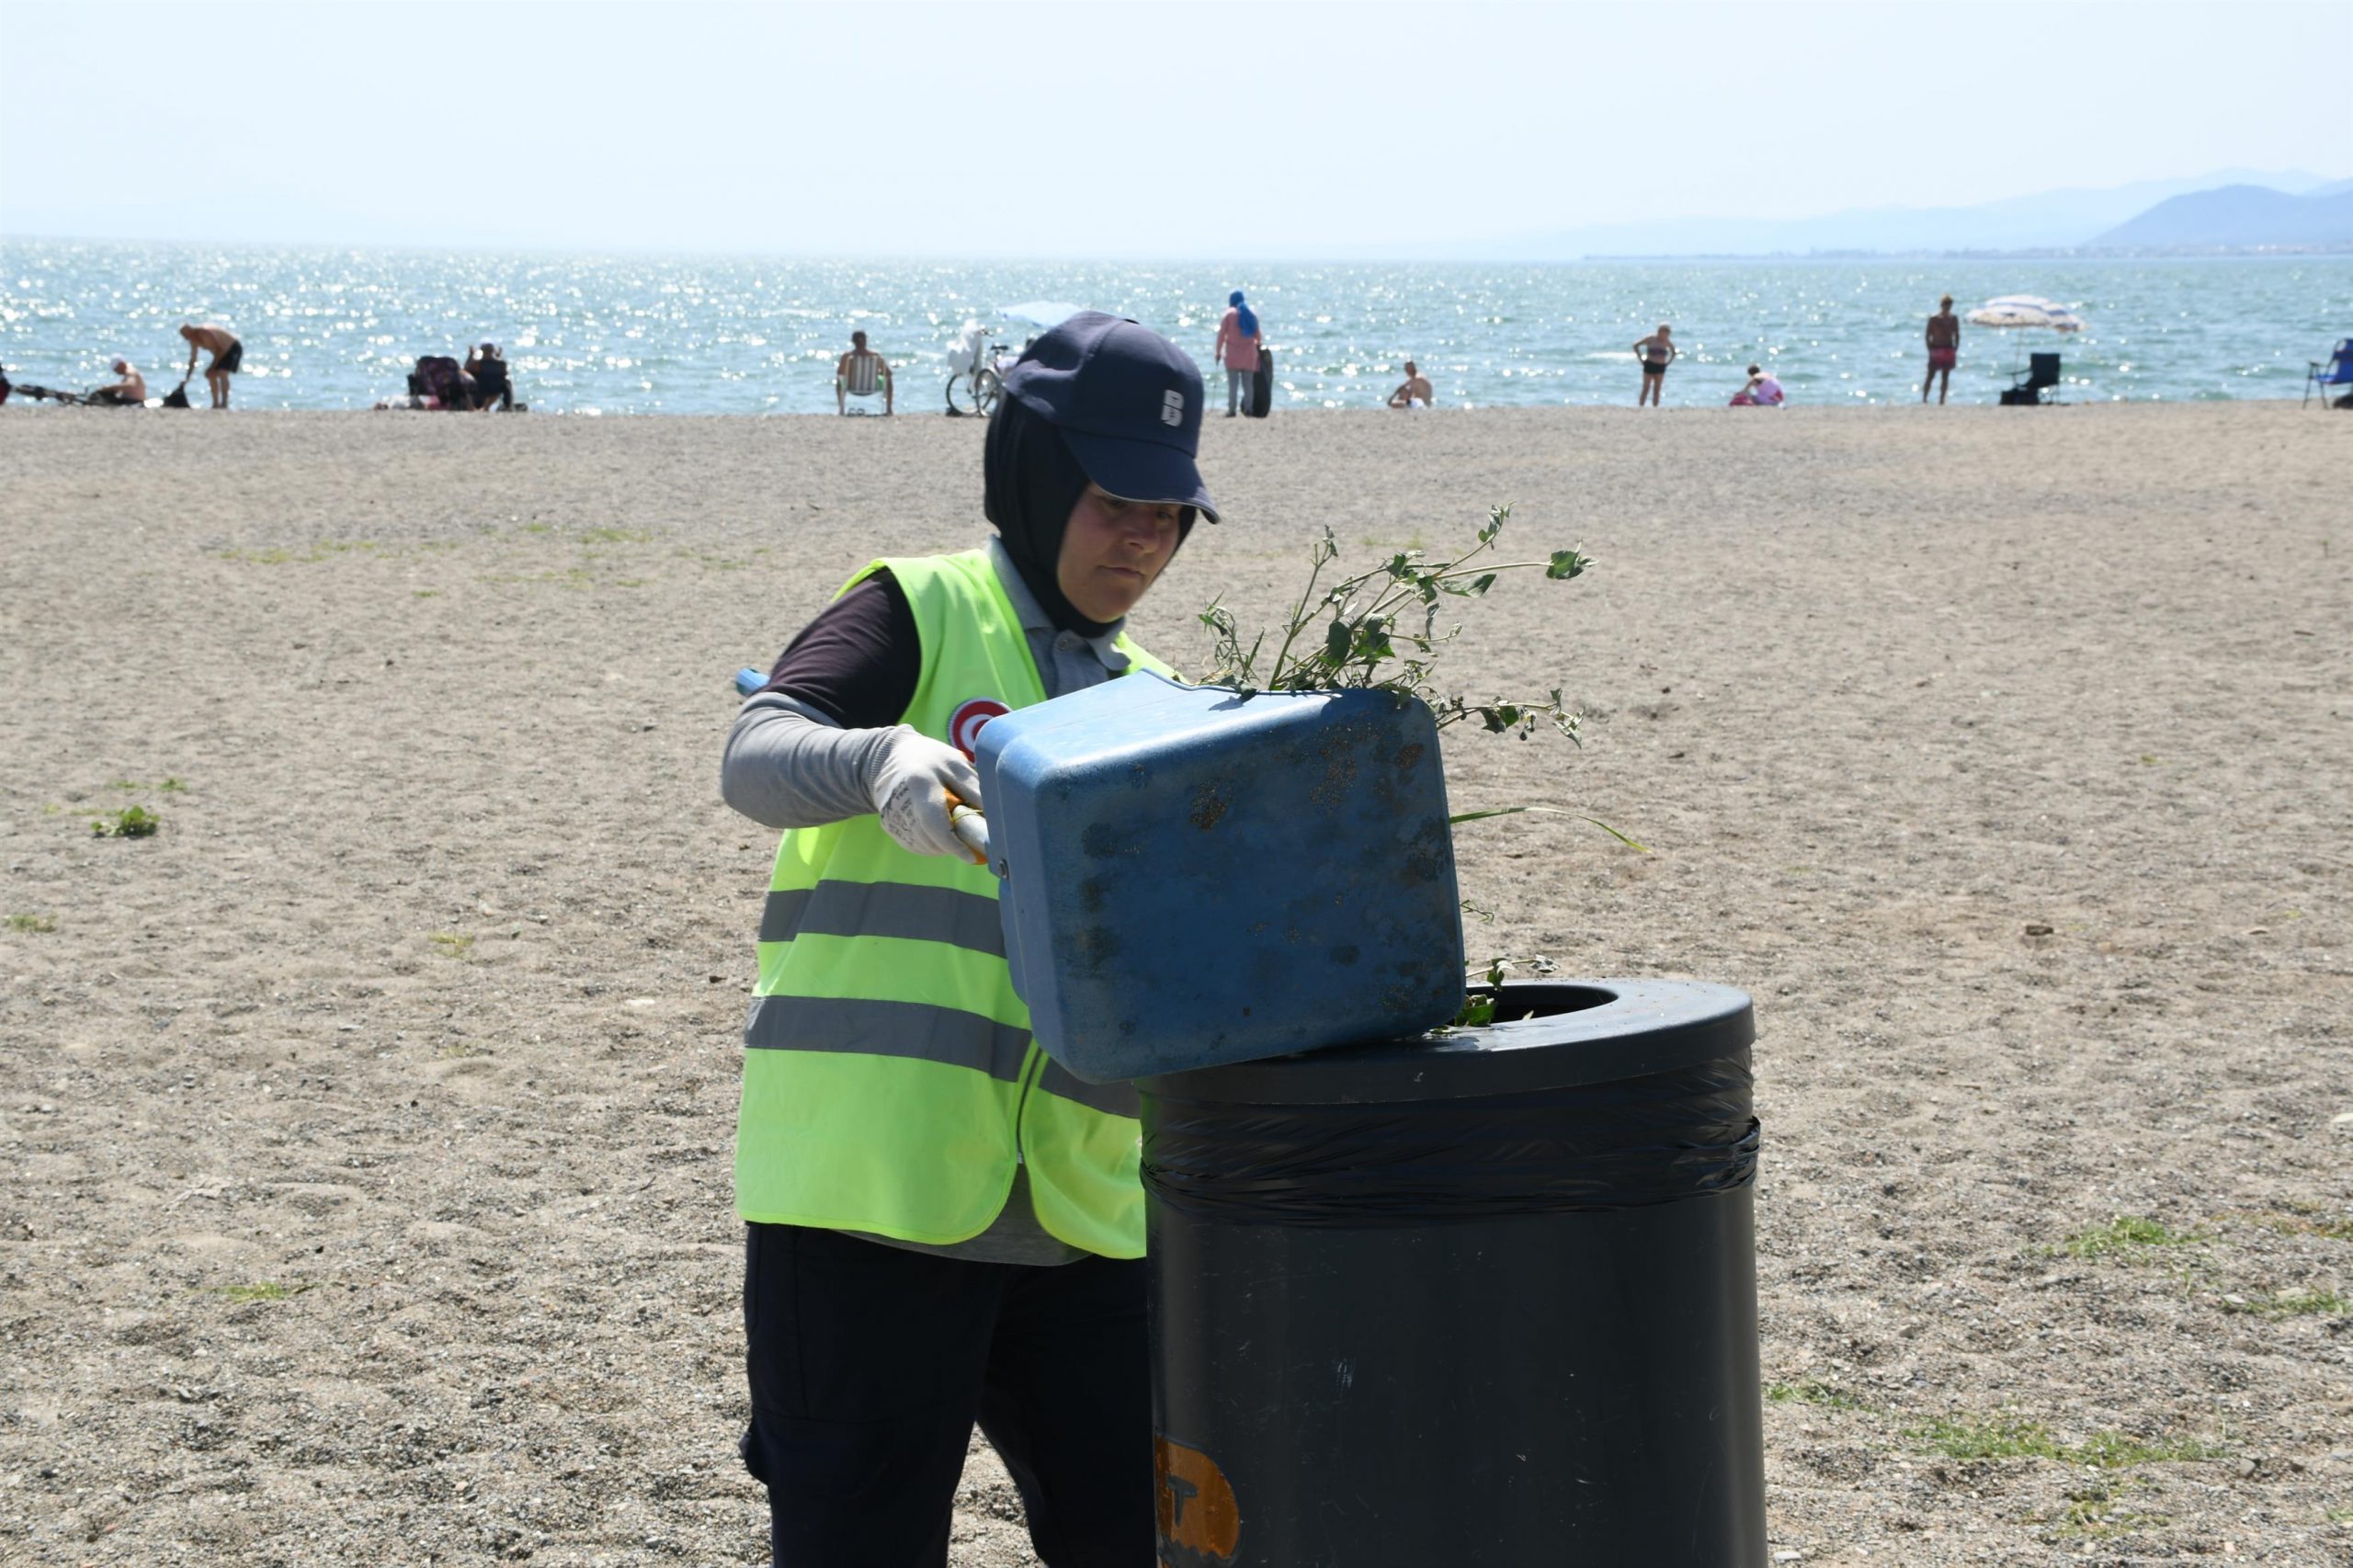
x: 890, y: 1080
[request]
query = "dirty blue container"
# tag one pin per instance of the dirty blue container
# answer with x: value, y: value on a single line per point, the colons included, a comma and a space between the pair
x: 1193, y: 878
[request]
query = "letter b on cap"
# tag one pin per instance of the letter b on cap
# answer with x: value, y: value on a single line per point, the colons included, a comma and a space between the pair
x: 1172, y: 407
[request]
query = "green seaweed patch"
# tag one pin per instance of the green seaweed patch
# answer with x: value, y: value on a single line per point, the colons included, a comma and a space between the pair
x: 453, y: 944
x: 132, y: 822
x: 33, y: 923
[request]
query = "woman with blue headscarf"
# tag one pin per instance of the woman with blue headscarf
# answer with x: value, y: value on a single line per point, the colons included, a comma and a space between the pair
x: 1238, y: 347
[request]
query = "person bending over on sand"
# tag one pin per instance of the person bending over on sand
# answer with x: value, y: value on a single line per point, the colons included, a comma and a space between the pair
x: 1762, y: 390
x: 1239, y: 344
x: 228, y: 357
x: 484, y: 378
x: 131, y: 392
x: 941, y: 1225
x: 1944, y: 349
x: 1656, y: 352
x: 1416, y: 392
x: 856, y: 373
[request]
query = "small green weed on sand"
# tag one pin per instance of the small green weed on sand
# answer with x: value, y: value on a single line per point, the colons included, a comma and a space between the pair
x: 2008, y: 1438
x: 453, y: 944
x: 2096, y: 1510
x: 132, y: 822
x: 2125, y: 1234
x: 32, y: 923
x: 2295, y: 1301
x: 459, y: 1050
x: 618, y: 536
x: 2309, y: 1221
x: 265, y: 1290
x: 1815, y: 1392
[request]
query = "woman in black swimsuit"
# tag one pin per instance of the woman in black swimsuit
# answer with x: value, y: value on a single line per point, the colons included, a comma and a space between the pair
x: 1656, y: 353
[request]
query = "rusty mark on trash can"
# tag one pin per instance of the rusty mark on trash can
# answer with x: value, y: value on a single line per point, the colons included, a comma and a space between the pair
x: 1194, y: 1505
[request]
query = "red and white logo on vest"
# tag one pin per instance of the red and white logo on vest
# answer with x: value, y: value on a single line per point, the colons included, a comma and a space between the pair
x: 964, y: 725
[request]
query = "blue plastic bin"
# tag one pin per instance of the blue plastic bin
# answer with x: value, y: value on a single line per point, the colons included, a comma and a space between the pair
x: 1194, y: 878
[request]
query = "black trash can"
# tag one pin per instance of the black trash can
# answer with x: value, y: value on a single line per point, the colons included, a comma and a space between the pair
x: 1485, y: 1298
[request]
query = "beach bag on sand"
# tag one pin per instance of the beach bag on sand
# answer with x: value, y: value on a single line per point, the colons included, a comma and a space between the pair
x: 177, y: 396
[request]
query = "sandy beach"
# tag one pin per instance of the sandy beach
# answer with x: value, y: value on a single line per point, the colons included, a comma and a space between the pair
x: 365, y: 1131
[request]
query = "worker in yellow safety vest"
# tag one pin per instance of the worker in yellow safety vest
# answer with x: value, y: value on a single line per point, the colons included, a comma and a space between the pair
x: 945, y: 1226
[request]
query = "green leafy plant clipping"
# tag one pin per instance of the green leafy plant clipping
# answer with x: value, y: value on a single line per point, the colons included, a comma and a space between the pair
x: 1379, y: 629
x: 1384, y: 630
x: 132, y: 822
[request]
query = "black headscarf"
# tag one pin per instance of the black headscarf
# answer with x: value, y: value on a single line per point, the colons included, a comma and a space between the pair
x: 1029, y: 482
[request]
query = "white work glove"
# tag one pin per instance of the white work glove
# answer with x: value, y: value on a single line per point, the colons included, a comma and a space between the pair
x: 911, y: 791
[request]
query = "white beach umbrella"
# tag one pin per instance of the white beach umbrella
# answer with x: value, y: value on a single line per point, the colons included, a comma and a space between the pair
x: 2026, y: 311
x: 1042, y: 312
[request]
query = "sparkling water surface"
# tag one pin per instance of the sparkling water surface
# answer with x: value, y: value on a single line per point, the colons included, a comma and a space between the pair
x: 340, y: 328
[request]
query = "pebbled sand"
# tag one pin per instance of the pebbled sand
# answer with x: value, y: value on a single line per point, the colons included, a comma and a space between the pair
x: 364, y: 1134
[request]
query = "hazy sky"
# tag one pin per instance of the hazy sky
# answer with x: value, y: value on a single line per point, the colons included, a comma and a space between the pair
x: 1116, y: 129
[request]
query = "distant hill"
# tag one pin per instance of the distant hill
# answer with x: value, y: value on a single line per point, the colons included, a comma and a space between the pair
x: 2055, y: 219
x: 2240, y: 217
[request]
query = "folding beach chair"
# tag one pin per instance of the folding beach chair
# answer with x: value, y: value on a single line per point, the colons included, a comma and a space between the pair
x: 2336, y: 372
x: 2041, y: 373
x: 865, y: 378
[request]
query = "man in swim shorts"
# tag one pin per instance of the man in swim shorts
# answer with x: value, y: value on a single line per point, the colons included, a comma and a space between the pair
x: 1416, y: 392
x: 227, y: 357
x: 1944, y: 349
x: 1656, y: 353
x: 127, y: 392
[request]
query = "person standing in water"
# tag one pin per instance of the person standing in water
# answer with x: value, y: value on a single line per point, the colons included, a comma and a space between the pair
x: 1944, y: 349
x: 1238, y: 345
x: 1656, y: 353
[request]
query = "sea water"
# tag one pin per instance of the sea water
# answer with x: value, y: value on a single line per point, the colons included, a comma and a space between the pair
x: 340, y: 328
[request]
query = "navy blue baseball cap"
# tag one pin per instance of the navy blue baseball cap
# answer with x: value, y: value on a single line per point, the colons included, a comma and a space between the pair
x: 1126, y: 399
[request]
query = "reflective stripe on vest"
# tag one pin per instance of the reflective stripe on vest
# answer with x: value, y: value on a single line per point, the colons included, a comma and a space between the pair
x: 890, y: 1080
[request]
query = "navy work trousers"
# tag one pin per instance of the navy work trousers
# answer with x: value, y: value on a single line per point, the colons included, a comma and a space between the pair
x: 869, y: 1366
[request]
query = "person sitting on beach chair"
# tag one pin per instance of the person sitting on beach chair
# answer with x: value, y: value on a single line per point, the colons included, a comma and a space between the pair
x: 487, y: 369
x: 857, y: 373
